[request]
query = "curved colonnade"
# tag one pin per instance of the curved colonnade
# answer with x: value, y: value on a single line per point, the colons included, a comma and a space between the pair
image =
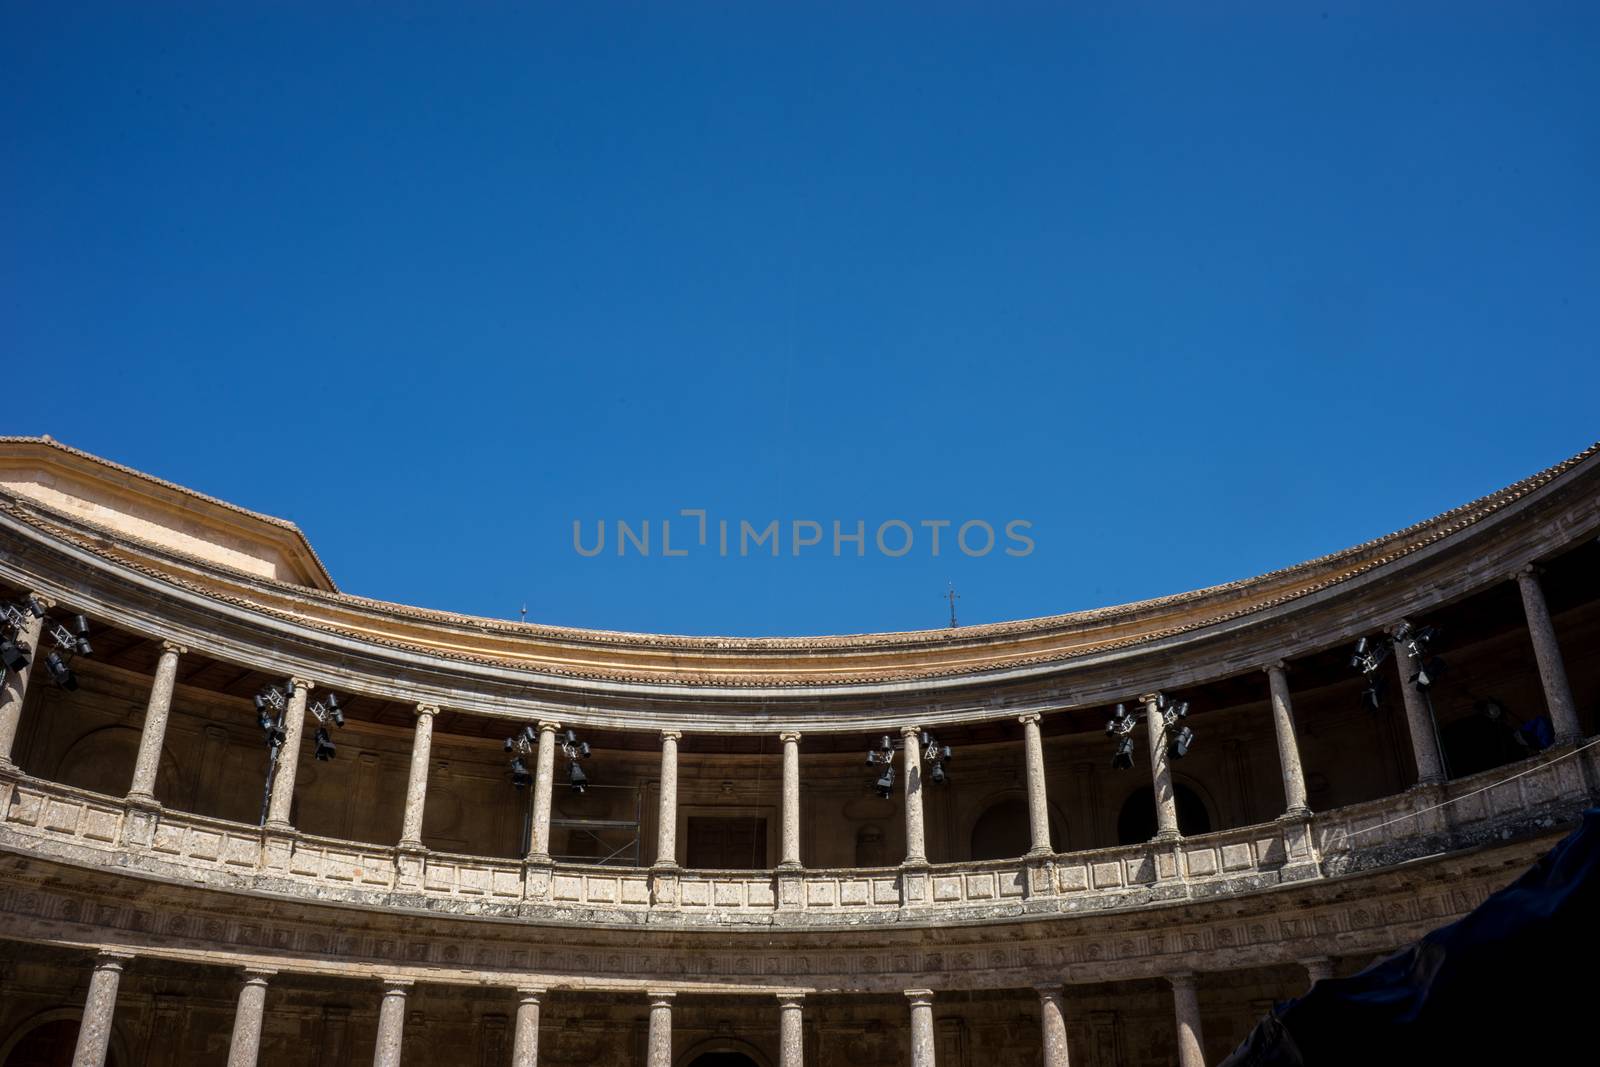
x: 117, y: 871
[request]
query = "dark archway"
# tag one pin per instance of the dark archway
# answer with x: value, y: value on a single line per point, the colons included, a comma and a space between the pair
x: 723, y: 1059
x: 1137, y: 822
x: 1004, y: 832
x: 50, y: 1040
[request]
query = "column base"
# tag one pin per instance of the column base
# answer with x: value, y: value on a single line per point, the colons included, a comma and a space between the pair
x: 1040, y: 853
x: 1295, y: 815
x: 278, y: 826
x: 1166, y: 837
x: 415, y: 847
x: 142, y: 801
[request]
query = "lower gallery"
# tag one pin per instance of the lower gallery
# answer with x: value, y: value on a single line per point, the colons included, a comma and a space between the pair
x: 246, y: 818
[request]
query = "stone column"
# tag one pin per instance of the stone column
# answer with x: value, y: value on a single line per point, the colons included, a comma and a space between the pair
x: 791, y: 800
x: 916, y: 842
x: 1294, y: 778
x: 154, y: 734
x: 1187, y: 1006
x: 922, y: 1054
x: 667, y: 817
x: 94, y: 1033
x: 391, y: 1023
x: 1419, y: 721
x: 246, y: 1043
x: 1038, y: 803
x: 659, y: 1047
x: 1053, y: 1024
x: 15, y: 684
x: 1547, y: 652
x: 525, y: 1043
x: 791, y: 1035
x: 1318, y: 968
x: 1160, y: 771
x: 543, y: 787
x: 294, y: 721
x: 417, y: 783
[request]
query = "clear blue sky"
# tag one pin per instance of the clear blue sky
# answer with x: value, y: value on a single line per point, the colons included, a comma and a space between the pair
x: 1196, y: 295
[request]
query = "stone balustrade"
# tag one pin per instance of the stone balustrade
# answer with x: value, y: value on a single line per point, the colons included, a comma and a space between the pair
x: 86, y: 828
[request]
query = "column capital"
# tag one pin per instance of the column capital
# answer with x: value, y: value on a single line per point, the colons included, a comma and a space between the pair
x: 531, y: 994
x: 297, y: 682
x: 1029, y: 716
x: 1149, y: 698
x: 1182, y: 980
x: 787, y: 736
x: 1048, y: 992
x: 548, y: 726
x: 112, y: 959
x: 175, y: 648
x: 1528, y: 572
x: 429, y: 710
x: 1276, y: 665
x: 397, y: 985
x: 671, y: 735
x: 910, y: 731
x: 45, y: 602
x: 919, y: 997
x: 660, y: 998
x: 790, y: 1000
x: 257, y: 975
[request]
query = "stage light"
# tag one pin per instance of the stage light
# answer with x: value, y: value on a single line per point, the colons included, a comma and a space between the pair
x: 1372, y: 695
x: 885, y: 783
x: 1369, y: 654
x: 325, y: 749
x: 576, y: 779
x: 1122, y: 758
x: 1419, y: 642
x: 519, y: 773
x: 1178, y: 747
x: 574, y: 750
x: 81, y: 631
x: 883, y: 756
x: 934, y: 754
x: 1120, y: 726
x: 15, y: 654
x: 60, y: 673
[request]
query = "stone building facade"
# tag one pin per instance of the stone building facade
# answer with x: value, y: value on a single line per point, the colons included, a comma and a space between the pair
x: 732, y: 887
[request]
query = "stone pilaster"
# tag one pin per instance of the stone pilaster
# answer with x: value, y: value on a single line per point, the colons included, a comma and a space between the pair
x: 246, y: 1044
x: 1294, y: 778
x: 1318, y: 968
x: 658, y: 1048
x: 791, y: 1033
x: 525, y: 1042
x: 1053, y: 1027
x: 294, y: 721
x: 922, y: 1048
x: 791, y: 800
x: 1160, y: 771
x: 916, y: 841
x: 1186, y: 1006
x: 94, y: 1033
x: 391, y: 1023
x: 543, y: 790
x: 417, y: 782
x: 1419, y: 721
x: 667, y: 826
x: 14, y: 686
x: 1038, y: 802
x: 154, y: 733
x: 1547, y: 653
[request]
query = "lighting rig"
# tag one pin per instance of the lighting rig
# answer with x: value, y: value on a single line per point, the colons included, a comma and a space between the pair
x: 1372, y: 652
x: 16, y: 654
x: 928, y: 748
x: 1179, y: 737
x: 525, y: 741
x: 272, y: 709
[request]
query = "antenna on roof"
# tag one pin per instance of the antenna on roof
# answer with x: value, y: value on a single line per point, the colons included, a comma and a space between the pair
x: 952, y: 596
x: 524, y: 611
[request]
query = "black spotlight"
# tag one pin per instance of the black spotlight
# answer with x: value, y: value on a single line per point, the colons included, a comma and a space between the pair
x: 1372, y: 695
x: 937, y: 775
x: 15, y: 654
x: 1122, y: 758
x: 335, y: 712
x: 35, y: 608
x: 1178, y: 747
x: 60, y: 673
x: 519, y: 773
x: 1120, y: 726
x: 575, y: 776
x: 883, y: 756
x: 80, y: 628
x: 885, y: 783
x: 263, y: 717
x: 325, y: 747
x: 1428, y: 672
